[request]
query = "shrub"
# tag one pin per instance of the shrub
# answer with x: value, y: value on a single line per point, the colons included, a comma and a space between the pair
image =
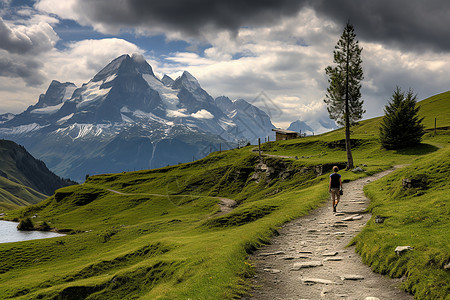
x: 44, y: 226
x: 25, y: 224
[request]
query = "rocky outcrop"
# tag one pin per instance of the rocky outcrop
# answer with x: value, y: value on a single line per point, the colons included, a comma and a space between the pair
x: 270, y: 169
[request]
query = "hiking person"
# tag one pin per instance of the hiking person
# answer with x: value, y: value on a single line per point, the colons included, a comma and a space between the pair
x: 335, y: 187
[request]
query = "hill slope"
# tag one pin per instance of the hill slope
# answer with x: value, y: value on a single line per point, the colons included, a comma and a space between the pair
x: 156, y: 234
x: 25, y: 180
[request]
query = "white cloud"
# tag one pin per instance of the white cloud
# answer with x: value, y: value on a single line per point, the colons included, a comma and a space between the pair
x: 78, y: 63
x: 385, y: 68
x: 202, y: 114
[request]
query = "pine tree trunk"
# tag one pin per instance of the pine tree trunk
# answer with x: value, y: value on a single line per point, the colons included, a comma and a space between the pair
x: 348, y: 146
x: 347, y: 114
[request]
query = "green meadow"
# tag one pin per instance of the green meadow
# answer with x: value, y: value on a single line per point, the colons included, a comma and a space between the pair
x: 158, y: 234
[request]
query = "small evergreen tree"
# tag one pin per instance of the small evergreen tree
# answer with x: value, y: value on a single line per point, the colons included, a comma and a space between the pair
x: 343, y: 96
x: 401, y: 126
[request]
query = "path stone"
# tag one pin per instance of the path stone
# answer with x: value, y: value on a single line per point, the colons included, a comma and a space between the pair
x: 353, y: 218
x: 289, y: 257
x: 336, y: 258
x: 272, y: 253
x: 339, y: 225
x: 330, y: 253
x: 307, y: 264
x: 317, y: 280
x: 273, y: 271
x: 339, y: 214
x: 372, y: 298
x: 352, y: 277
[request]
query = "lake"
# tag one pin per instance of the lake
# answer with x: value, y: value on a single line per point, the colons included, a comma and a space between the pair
x: 9, y: 233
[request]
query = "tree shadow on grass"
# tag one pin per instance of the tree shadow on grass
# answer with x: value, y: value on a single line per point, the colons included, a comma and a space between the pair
x: 420, y: 149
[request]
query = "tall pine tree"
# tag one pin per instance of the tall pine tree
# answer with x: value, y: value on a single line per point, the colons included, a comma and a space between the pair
x: 344, y: 92
x: 401, y: 125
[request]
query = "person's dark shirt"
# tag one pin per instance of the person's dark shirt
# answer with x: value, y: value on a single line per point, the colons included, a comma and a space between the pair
x: 335, y: 184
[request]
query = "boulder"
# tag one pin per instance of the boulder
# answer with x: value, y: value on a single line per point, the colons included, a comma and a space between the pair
x: 358, y: 169
x: 402, y: 249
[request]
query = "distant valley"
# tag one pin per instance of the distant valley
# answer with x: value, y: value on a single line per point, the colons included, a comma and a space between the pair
x: 24, y: 180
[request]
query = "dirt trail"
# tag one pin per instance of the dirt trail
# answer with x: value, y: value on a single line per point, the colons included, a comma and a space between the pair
x: 309, y: 258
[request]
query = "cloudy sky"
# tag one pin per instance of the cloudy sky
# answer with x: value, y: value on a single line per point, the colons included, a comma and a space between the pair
x: 272, y: 53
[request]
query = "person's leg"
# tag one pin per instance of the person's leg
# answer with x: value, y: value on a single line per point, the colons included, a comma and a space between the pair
x: 333, y: 197
x: 338, y: 198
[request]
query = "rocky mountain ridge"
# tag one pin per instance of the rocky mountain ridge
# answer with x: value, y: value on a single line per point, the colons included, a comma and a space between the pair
x: 125, y: 118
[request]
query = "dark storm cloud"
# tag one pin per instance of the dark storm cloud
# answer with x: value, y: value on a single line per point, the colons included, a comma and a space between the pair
x: 10, y: 41
x: 188, y: 16
x: 19, y: 67
x: 402, y: 23
x: 407, y: 24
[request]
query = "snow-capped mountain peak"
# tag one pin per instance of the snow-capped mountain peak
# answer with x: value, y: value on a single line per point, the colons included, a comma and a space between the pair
x: 124, y: 65
x: 187, y: 81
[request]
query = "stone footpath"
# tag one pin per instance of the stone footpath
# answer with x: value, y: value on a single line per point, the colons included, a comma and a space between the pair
x: 309, y: 259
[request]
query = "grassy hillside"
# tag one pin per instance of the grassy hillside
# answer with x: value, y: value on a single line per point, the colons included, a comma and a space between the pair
x: 156, y: 234
x: 17, y: 194
x: 24, y: 180
x: 437, y: 107
x: 417, y: 216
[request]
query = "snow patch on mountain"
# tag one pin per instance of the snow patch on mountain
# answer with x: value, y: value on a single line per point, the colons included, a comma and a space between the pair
x: 110, y: 78
x: 79, y: 131
x: 91, y: 93
x: 177, y: 113
x: 167, y: 94
x: 6, y: 117
x: 47, y: 109
x: 22, y: 129
x: 69, y: 92
x: 148, y: 116
x: 64, y: 119
x: 126, y: 119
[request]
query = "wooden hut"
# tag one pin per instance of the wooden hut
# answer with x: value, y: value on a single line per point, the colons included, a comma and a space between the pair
x: 283, y: 134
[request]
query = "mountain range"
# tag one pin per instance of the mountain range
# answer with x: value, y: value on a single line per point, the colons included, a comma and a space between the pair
x: 126, y: 118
